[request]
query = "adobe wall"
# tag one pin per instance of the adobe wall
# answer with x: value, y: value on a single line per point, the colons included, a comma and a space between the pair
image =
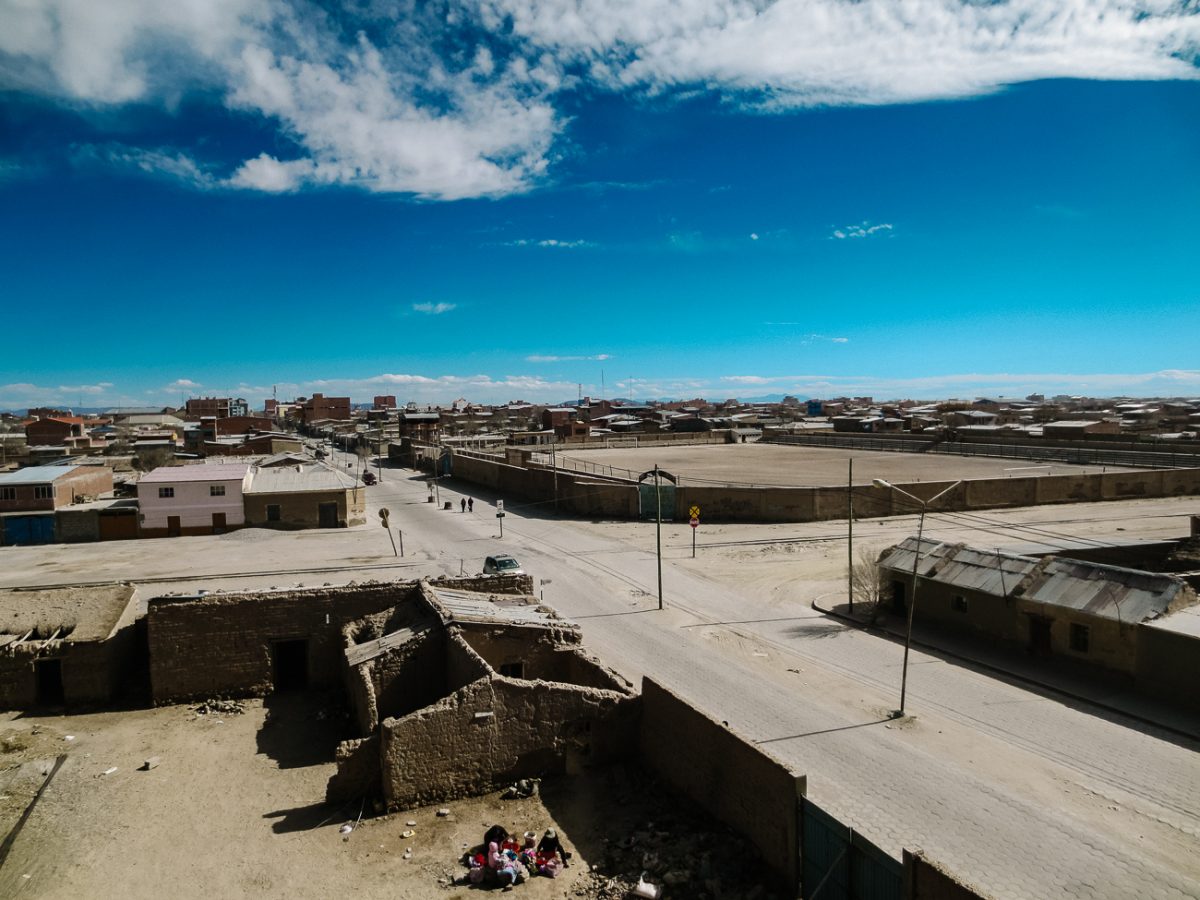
x: 74, y: 526
x: 301, y: 509
x: 410, y: 676
x: 360, y: 690
x: 737, y: 782
x: 591, y: 495
x: 463, y: 665
x: 357, y: 774
x: 529, y: 730
x: 1168, y: 662
x: 986, y: 615
x: 927, y: 880
x: 546, y: 655
x: 220, y: 644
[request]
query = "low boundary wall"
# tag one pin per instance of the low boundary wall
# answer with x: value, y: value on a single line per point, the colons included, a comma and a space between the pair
x: 737, y: 782
x: 609, y: 497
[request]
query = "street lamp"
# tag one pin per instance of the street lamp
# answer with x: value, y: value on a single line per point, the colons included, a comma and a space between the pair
x: 912, y: 602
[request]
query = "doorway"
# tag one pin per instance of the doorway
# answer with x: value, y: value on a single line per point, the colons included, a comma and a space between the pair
x: 218, y: 523
x: 899, y: 604
x: 327, y: 515
x: 289, y: 665
x: 173, y: 527
x: 1039, y: 635
x: 48, y: 673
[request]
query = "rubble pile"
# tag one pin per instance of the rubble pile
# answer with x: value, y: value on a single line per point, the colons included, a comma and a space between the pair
x: 217, y: 706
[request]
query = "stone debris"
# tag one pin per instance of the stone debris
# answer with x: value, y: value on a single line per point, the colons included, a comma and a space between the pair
x: 216, y: 705
x: 443, y: 812
x: 151, y: 763
x: 526, y: 787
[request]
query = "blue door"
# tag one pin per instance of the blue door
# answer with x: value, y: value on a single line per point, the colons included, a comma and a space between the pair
x: 24, y: 530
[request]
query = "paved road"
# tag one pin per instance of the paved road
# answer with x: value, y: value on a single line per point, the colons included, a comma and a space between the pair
x: 1025, y: 795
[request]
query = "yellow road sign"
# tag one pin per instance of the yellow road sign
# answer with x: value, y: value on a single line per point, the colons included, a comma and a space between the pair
x: 694, y: 512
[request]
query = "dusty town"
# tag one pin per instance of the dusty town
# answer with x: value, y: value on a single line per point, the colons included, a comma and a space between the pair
x: 324, y: 648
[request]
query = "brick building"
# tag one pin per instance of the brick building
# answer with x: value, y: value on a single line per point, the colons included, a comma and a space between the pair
x: 304, y: 496
x: 49, y: 487
x: 318, y: 406
x: 57, y: 431
x: 384, y: 401
x: 198, y: 407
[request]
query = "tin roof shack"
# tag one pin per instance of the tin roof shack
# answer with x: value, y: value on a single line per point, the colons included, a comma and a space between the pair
x: 474, y: 692
x: 50, y: 487
x: 201, y: 499
x: 66, y: 646
x: 1069, y: 608
x: 301, y: 495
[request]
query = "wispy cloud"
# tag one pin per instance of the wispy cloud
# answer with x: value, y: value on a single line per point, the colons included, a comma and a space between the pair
x: 862, y: 230
x: 183, y: 384
x: 550, y: 242
x: 433, y: 309
x: 599, y: 357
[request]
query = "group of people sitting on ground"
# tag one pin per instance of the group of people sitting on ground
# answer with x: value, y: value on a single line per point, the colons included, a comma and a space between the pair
x: 505, y: 860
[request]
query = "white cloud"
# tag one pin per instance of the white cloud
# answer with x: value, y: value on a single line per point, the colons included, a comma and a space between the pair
x: 550, y: 242
x: 862, y: 230
x: 753, y: 236
x: 182, y: 384
x: 366, y: 100
x: 599, y: 357
x: 746, y: 379
x: 433, y: 309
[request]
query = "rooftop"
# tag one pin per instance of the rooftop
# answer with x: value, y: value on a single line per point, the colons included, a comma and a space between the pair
x: 89, y: 614
x: 36, y: 475
x: 294, y: 478
x: 218, y: 472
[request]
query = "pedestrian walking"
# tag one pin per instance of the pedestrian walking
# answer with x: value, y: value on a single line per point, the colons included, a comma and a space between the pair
x: 464, y: 504
x: 470, y: 504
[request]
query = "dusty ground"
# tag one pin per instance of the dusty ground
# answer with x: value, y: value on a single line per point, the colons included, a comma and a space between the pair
x: 235, y: 809
x: 779, y: 464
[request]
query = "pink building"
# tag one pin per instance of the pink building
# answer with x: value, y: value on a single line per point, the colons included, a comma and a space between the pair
x: 200, y: 499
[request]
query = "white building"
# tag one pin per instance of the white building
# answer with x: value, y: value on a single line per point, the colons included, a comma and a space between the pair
x: 201, y: 499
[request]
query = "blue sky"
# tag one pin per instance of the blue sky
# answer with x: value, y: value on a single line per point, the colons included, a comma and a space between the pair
x: 504, y: 199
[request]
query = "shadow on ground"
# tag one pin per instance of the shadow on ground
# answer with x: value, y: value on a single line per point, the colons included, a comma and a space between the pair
x: 302, y: 728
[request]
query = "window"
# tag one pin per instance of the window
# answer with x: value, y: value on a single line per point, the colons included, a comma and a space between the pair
x: 272, y: 512
x: 43, y: 491
x: 166, y: 492
x: 216, y: 490
x: 1079, y: 638
x: 958, y: 603
x: 513, y: 670
x: 8, y: 493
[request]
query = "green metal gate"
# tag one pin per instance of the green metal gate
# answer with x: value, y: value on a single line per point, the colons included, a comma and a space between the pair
x: 646, y: 508
x: 837, y: 863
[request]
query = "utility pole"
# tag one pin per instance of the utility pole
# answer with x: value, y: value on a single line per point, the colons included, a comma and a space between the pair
x: 658, y: 531
x: 850, y: 532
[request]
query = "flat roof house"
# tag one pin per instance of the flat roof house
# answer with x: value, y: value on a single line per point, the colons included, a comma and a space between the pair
x: 49, y: 487
x: 203, y: 499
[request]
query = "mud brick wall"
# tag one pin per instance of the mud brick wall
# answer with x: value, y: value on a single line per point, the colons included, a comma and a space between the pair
x: 444, y: 751
x: 737, y: 782
x: 1168, y: 665
x: 360, y: 689
x: 927, y: 880
x: 409, y: 677
x: 357, y: 772
x: 74, y: 526
x: 221, y: 644
x: 463, y: 664
x: 488, y: 584
x: 536, y: 650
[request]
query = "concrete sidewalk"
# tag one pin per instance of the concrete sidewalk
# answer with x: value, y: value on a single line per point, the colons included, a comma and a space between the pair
x: 1105, y: 691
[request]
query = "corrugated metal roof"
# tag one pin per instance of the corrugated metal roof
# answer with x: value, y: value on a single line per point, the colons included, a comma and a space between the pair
x: 293, y: 479
x: 980, y: 570
x: 1125, y: 595
x: 900, y: 557
x: 36, y: 475
x: 469, y: 606
x: 1185, y: 621
x: 218, y: 472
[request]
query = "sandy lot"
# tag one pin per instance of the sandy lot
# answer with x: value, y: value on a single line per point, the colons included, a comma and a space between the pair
x: 235, y: 809
x: 795, y: 466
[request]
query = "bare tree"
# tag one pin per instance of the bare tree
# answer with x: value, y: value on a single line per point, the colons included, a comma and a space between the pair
x: 864, y: 581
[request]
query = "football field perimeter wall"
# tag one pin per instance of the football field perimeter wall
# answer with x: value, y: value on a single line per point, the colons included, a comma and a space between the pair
x: 599, y: 496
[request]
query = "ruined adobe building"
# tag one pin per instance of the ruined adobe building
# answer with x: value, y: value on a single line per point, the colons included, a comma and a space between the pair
x: 461, y: 693
x: 66, y: 646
